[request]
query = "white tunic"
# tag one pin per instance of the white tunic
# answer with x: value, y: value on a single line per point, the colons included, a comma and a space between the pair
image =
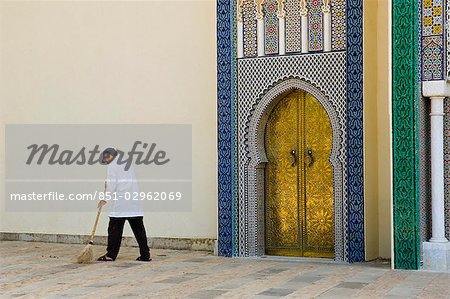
x: 123, y: 187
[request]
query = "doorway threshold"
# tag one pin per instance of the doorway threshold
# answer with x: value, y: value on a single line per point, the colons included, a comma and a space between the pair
x: 299, y: 259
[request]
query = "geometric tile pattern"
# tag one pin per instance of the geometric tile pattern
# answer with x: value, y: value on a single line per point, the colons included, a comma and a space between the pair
x: 293, y: 26
x: 338, y: 40
x: 355, y: 163
x: 432, y: 57
x: 447, y: 166
x: 432, y: 15
x: 256, y: 77
x: 405, y: 135
x: 315, y: 25
x: 249, y: 20
x: 424, y: 170
x: 292, y: 17
x: 447, y: 13
x: 225, y: 75
x: 270, y: 9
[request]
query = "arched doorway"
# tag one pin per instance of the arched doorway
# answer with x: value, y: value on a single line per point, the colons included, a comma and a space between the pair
x: 299, y: 194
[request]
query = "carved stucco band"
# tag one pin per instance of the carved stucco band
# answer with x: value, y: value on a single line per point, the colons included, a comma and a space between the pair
x: 404, y: 134
x: 258, y: 159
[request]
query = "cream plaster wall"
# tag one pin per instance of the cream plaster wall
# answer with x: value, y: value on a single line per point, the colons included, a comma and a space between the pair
x: 113, y: 62
x: 370, y: 128
x: 377, y: 129
x: 384, y: 129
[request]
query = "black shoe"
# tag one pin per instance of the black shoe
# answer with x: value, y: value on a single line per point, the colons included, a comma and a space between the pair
x: 105, y: 258
x: 143, y: 259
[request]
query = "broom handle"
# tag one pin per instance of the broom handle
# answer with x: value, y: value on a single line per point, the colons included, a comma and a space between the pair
x: 95, y: 224
x: 96, y: 220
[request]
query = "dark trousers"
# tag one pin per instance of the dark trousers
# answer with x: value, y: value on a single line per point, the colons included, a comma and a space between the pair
x: 115, y: 231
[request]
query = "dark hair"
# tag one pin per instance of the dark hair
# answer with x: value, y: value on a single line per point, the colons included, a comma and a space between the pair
x: 108, y: 152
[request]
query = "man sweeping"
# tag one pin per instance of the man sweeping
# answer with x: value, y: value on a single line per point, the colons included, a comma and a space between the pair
x: 119, y: 183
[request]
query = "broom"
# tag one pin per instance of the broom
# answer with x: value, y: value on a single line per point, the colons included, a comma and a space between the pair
x: 87, y: 254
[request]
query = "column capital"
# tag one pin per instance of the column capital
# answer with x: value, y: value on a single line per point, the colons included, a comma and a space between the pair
x: 326, y: 6
x: 239, y: 10
x: 436, y: 98
x: 259, y: 9
x: 326, y: 9
x: 435, y: 89
x: 281, y: 14
x: 303, y: 8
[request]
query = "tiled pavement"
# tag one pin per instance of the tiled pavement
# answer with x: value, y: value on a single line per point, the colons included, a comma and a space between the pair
x: 34, y: 270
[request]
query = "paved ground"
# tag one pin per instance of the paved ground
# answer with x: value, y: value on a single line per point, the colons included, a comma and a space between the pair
x: 30, y: 270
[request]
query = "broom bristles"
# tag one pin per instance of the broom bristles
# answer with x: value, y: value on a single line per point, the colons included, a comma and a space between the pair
x: 86, y: 255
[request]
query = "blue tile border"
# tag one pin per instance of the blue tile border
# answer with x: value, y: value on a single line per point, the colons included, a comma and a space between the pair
x: 355, y: 162
x: 225, y: 93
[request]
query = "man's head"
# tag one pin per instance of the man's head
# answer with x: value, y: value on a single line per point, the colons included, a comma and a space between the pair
x: 108, y: 155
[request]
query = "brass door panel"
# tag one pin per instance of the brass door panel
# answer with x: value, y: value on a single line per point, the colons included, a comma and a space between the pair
x: 318, y: 239
x: 299, y: 197
x: 282, y: 217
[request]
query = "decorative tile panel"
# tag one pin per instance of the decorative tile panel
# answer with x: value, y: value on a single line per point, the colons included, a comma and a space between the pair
x: 432, y: 58
x: 432, y: 17
x: 249, y: 19
x: 424, y: 170
x: 315, y: 25
x: 447, y: 29
x: 225, y: 74
x: 338, y: 25
x: 404, y: 134
x: 293, y: 26
x: 355, y: 140
x: 270, y: 11
x: 433, y: 55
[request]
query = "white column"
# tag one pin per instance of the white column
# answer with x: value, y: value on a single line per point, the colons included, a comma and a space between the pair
x: 326, y: 26
x: 260, y: 33
x: 436, y: 252
x: 304, y: 19
x: 240, y: 39
x: 282, y: 34
x: 437, y: 170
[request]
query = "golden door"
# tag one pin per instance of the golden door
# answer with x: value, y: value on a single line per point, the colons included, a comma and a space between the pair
x: 299, y: 201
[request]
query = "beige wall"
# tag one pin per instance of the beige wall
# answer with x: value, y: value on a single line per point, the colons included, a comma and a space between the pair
x: 370, y: 128
x: 384, y: 129
x: 114, y: 62
x: 377, y: 129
